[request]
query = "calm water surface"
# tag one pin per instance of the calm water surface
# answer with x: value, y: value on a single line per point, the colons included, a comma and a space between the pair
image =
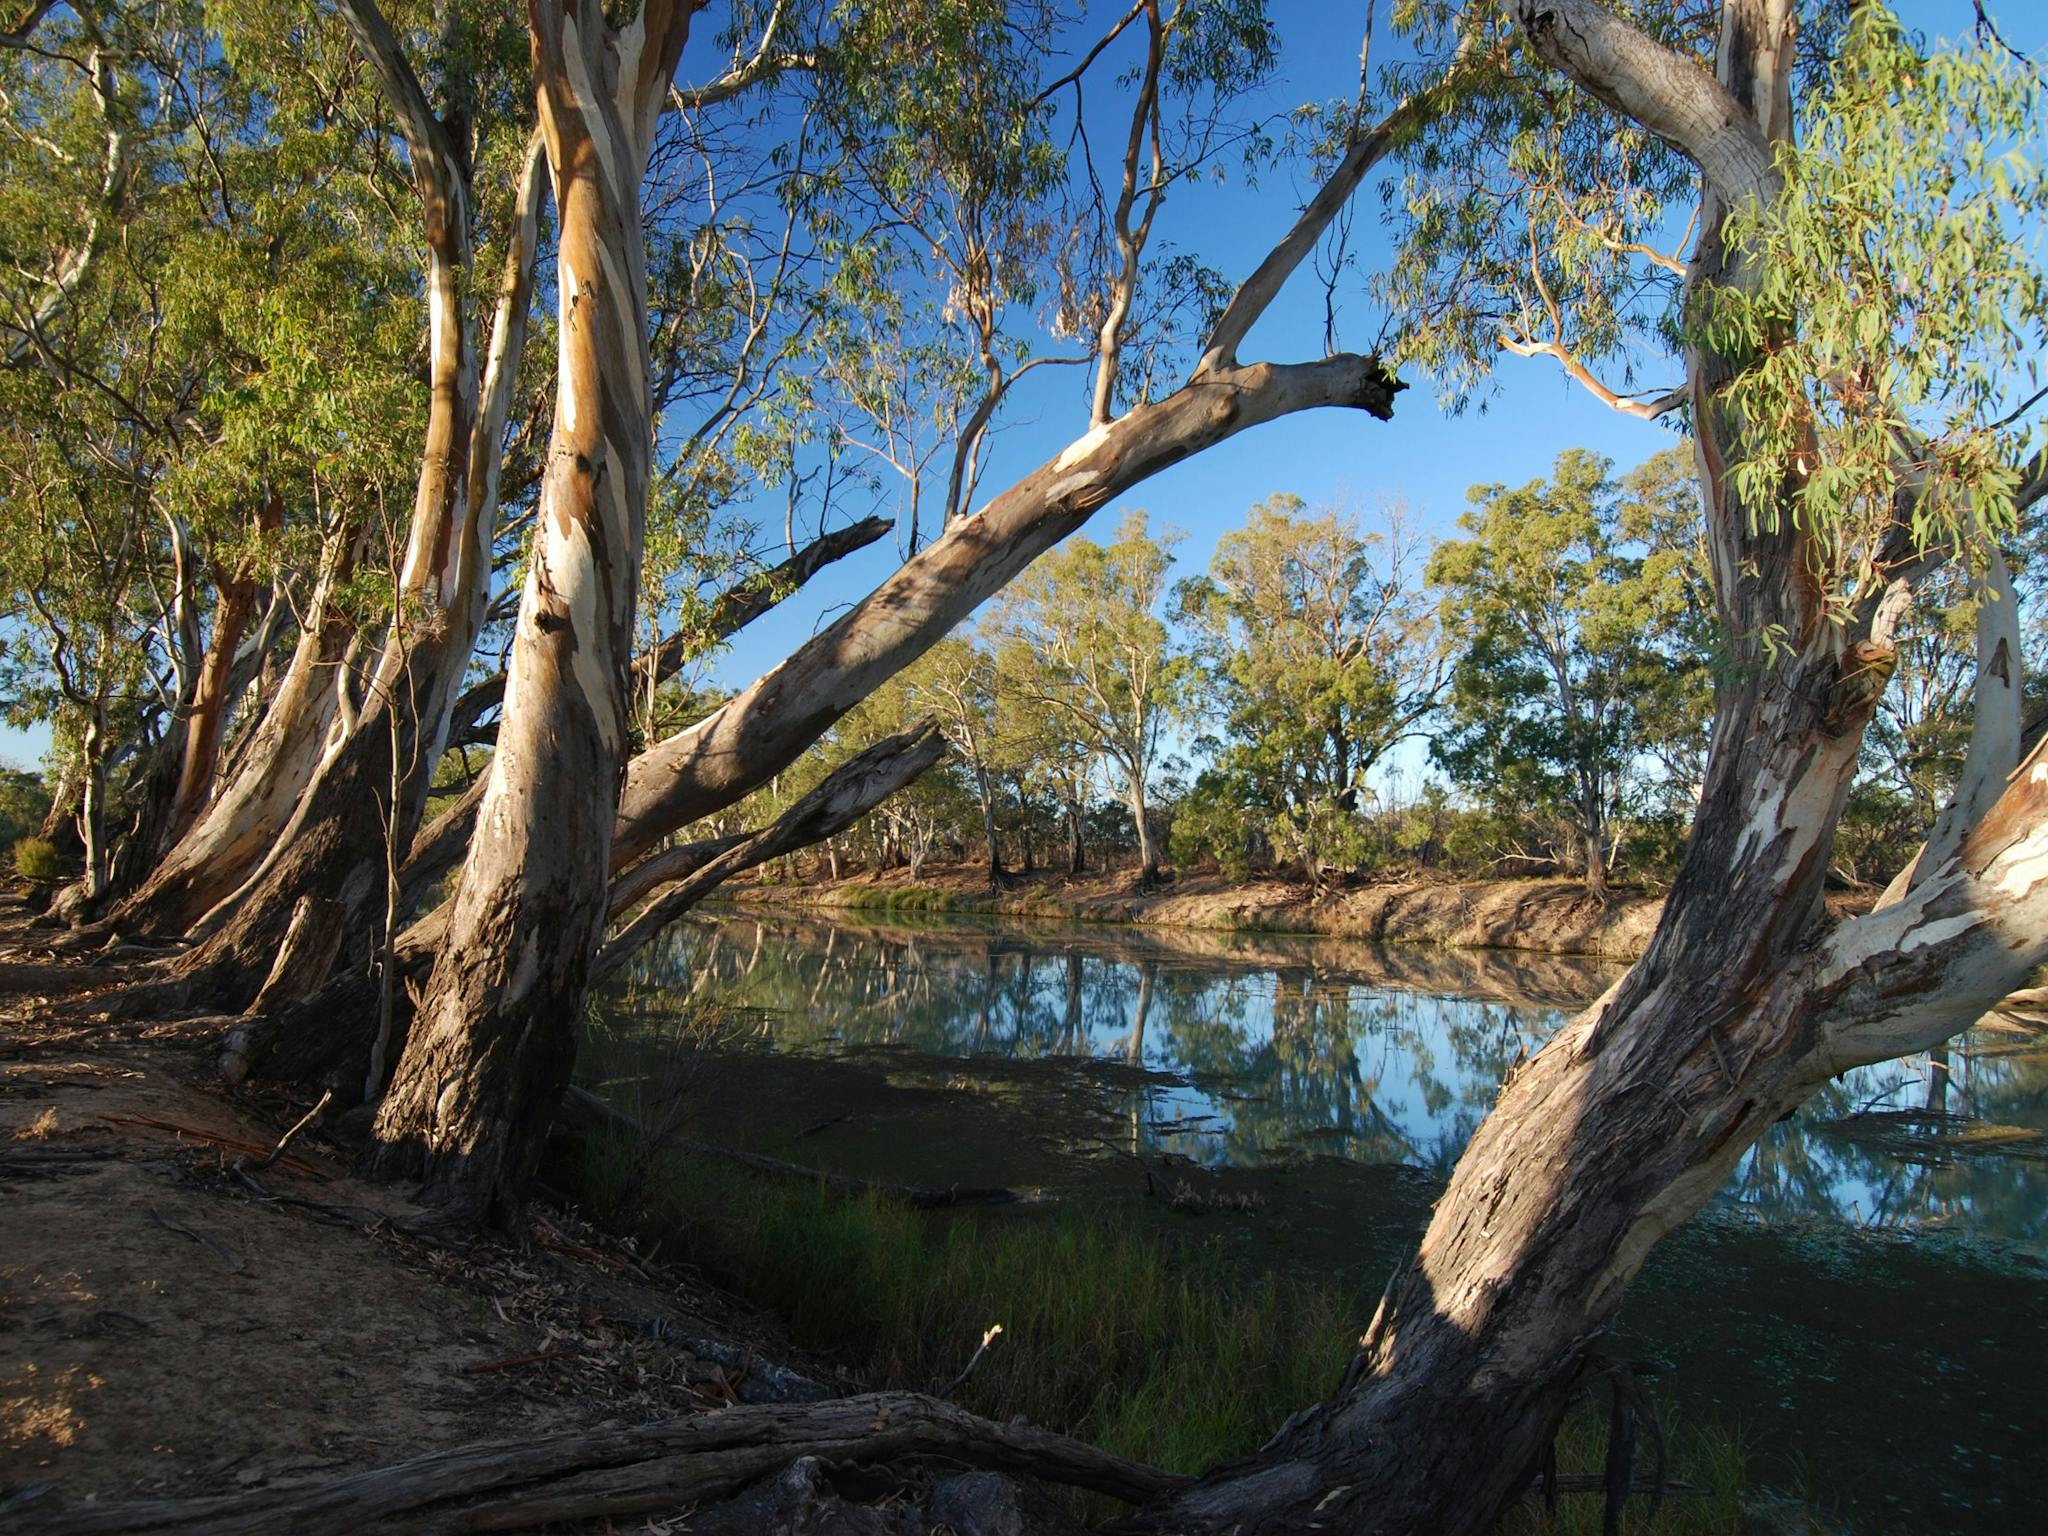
x: 1864, y: 1306
x: 1262, y: 1047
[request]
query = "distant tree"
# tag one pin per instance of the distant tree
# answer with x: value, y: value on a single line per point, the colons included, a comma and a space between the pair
x: 1080, y: 634
x: 24, y: 802
x: 1560, y: 686
x: 1317, y: 653
x: 955, y: 681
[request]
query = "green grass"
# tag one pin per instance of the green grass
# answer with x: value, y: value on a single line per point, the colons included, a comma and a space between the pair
x: 1132, y: 1342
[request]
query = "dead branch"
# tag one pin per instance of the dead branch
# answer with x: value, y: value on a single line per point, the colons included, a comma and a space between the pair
x: 533, y: 1480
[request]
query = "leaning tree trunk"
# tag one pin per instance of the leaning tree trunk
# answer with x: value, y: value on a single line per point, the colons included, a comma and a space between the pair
x: 218, y: 852
x: 358, y: 816
x: 1638, y: 1111
x: 490, y: 1052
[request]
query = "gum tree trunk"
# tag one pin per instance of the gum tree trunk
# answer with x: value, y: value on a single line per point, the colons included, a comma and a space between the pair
x: 489, y: 1054
x: 358, y: 816
x: 228, y: 841
x: 1637, y: 1111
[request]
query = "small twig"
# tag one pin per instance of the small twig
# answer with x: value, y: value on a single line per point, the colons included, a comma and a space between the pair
x: 514, y: 1361
x: 973, y: 1360
x: 225, y: 1143
x: 285, y: 1140
x: 226, y: 1256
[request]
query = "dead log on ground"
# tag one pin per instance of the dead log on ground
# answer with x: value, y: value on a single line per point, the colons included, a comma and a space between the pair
x: 533, y: 1480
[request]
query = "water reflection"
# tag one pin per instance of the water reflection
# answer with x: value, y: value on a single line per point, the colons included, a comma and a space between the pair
x: 1257, y: 1046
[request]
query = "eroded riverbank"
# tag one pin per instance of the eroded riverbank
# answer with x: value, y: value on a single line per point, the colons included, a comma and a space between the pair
x: 1541, y: 916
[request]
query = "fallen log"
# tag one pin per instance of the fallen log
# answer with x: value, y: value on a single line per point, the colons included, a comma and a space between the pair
x: 533, y: 1480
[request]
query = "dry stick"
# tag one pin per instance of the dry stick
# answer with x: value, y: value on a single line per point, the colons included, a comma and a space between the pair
x: 580, y: 1475
x: 989, y: 1337
x: 284, y: 1141
x: 219, y: 1251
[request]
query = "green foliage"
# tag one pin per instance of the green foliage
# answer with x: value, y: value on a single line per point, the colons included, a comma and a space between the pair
x: 1892, y: 292
x: 36, y: 861
x: 1211, y: 825
x: 1573, y: 663
x: 24, y: 802
x: 1080, y: 639
x: 1317, y: 654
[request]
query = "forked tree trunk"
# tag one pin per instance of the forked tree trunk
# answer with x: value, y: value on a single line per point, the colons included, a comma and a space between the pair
x: 1639, y: 1110
x: 225, y: 844
x: 364, y: 804
x: 490, y: 1053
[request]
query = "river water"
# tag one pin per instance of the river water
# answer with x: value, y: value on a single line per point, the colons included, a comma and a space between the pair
x: 1861, y: 1302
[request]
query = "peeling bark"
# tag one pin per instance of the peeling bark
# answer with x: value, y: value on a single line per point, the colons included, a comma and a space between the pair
x: 489, y: 1055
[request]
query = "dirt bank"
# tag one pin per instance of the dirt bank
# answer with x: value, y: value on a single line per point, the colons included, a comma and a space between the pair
x: 177, y: 1320
x: 1543, y: 916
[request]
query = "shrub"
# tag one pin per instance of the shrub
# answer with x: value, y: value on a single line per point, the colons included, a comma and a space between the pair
x: 35, y: 860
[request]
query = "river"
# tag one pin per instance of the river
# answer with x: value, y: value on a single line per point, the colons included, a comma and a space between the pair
x: 1861, y: 1303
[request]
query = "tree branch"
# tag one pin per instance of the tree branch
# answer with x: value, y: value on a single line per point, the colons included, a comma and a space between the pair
x: 853, y: 789
x: 1667, y: 93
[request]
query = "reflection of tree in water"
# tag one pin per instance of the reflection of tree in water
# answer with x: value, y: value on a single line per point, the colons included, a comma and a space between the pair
x: 1801, y: 1169
x: 1296, y: 1057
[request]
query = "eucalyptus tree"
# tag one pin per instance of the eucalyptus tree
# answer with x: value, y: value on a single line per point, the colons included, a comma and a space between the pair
x: 956, y: 681
x: 1856, y: 306
x: 1562, y: 682
x: 1081, y: 634
x: 209, y: 310
x: 360, y: 809
x: 495, y: 1032
x: 1317, y: 654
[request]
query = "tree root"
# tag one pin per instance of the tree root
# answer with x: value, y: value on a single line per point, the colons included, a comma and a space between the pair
x: 535, y: 1480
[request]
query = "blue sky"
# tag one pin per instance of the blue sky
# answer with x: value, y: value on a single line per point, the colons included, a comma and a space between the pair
x: 1424, y: 458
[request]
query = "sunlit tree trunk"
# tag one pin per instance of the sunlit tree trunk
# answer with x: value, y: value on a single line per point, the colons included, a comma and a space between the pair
x: 489, y: 1054
x: 218, y: 852
x: 358, y: 816
x: 1640, y: 1109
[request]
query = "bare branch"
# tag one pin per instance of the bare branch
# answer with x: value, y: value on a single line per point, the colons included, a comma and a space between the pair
x: 1642, y: 410
x: 853, y: 789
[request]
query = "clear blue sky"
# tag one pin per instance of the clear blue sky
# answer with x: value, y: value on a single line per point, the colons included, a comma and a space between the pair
x: 1423, y: 458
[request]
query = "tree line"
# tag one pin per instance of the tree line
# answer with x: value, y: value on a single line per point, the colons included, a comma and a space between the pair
x: 378, y: 381
x: 1554, y: 664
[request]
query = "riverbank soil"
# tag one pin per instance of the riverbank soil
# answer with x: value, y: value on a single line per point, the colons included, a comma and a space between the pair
x: 175, y: 1322
x: 1548, y: 916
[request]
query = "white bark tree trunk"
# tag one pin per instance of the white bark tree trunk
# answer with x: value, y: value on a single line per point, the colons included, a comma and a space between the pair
x: 489, y: 1055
